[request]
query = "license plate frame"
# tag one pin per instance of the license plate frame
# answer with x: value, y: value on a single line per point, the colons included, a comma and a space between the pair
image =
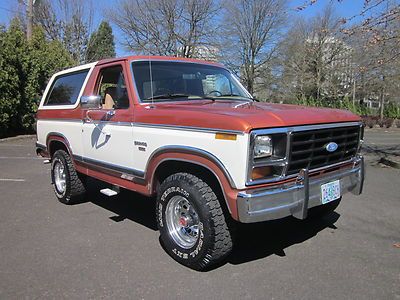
x: 330, y: 191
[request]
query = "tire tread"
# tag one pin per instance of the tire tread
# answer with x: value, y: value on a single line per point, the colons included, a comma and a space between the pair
x: 222, y: 244
x: 77, y: 190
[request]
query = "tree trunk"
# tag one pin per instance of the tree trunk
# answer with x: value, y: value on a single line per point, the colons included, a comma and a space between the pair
x: 382, y: 103
x: 29, y: 14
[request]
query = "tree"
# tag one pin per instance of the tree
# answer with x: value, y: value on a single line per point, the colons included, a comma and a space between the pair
x: 101, y: 43
x: 316, y: 61
x: 166, y: 27
x: 67, y: 21
x: 252, y: 29
x: 377, y: 60
x: 374, y: 35
x: 25, y: 68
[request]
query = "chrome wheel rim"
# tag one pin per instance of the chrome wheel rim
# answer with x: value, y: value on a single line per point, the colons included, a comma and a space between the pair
x: 59, y: 176
x: 182, y: 222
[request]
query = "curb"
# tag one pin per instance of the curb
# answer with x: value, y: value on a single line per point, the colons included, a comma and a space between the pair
x: 389, y: 162
x: 16, y: 138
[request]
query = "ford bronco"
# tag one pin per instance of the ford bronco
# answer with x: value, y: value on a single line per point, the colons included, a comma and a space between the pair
x: 187, y: 132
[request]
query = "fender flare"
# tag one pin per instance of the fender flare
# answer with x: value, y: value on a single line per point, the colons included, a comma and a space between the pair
x: 198, y: 157
x: 56, y: 136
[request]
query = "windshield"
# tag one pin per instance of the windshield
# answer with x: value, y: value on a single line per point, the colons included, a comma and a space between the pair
x: 183, y: 81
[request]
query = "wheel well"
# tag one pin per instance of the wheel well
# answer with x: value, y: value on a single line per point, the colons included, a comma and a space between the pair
x: 56, y: 145
x: 170, y: 167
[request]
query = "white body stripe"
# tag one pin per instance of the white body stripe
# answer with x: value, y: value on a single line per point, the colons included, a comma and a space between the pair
x: 232, y: 154
x: 108, y: 143
x: 71, y: 130
x: 118, y: 147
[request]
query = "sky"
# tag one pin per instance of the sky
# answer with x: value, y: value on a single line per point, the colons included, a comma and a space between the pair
x: 343, y: 8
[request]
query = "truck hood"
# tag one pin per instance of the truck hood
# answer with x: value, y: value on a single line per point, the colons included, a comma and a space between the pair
x: 238, y: 115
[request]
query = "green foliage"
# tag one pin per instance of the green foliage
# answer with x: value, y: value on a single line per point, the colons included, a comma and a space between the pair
x: 345, y: 103
x: 101, y: 44
x: 25, y: 68
x: 75, y: 38
x: 391, y: 110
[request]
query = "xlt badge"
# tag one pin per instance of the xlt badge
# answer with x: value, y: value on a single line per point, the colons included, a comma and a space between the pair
x: 141, y: 145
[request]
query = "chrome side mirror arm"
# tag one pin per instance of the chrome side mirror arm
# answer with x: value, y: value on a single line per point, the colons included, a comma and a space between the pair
x: 91, y: 102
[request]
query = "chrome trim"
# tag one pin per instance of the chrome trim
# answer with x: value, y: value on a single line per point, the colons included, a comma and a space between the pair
x: 114, y: 123
x: 62, y: 120
x: 199, y: 164
x: 182, y: 221
x: 141, y: 175
x: 295, y: 198
x: 288, y: 131
x: 91, y: 102
x: 305, y: 127
x: 150, y: 125
x: 188, y: 128
x: 302, y: 211
x: 195, y: 151
x: 109, y: 166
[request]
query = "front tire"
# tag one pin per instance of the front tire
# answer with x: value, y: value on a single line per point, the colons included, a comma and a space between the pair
x: 192, y: 225
x: 67, y: 183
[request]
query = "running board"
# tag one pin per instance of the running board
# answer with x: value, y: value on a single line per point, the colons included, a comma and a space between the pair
x: 110, y: 192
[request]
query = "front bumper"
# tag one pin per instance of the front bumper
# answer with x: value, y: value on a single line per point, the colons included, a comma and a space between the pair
x: 294, y: 199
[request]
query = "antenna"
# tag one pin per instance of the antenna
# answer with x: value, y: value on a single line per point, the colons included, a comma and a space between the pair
x: 150, y: 71
x: 151, y: 81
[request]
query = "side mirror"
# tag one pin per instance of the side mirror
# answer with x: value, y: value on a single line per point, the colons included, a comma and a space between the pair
x: 91, y: 102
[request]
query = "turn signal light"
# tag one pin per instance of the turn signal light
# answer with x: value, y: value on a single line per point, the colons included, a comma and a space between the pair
x: 261, y: 172
x: 225, y: 136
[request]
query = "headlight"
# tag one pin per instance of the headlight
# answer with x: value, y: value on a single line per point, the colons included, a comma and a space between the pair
x: 262, y: 146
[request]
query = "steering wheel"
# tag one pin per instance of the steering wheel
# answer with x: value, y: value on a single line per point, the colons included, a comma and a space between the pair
x: 162, y: 91
x: 214, y: 92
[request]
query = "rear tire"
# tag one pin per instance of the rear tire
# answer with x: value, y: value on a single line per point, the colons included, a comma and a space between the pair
x: 192, y: 225
x: 67, y: 183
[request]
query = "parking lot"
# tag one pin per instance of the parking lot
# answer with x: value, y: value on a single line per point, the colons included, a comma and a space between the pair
x: 109, y: 248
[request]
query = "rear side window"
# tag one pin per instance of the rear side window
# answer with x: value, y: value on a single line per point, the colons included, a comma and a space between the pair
x: 65, y: 89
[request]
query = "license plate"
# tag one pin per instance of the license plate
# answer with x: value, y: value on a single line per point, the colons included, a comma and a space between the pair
x: 330, y: 191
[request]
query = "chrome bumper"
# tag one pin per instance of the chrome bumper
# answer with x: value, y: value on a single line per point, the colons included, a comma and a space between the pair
x: 294, y: 199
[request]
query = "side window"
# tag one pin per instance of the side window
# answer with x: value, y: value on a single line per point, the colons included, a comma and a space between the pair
x: 65, y: 89
x: 112, y: 88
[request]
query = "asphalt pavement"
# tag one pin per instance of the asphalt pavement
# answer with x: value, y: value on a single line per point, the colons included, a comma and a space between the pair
x: 109, y: 247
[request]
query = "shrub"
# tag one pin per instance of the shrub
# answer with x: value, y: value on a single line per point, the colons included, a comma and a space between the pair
x: 369, y: 121
x: 388, y: 122
x: 25, y: 69
x: 391, y: 110
x: 385, y: 122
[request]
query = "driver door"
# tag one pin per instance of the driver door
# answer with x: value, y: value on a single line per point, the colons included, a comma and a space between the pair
x: 107, y: 132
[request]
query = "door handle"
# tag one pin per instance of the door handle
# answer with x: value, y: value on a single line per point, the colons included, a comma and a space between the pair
x: 110, y: 114
x: 88, y: 119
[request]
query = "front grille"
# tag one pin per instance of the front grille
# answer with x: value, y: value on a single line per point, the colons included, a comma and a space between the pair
x: 307, y: 149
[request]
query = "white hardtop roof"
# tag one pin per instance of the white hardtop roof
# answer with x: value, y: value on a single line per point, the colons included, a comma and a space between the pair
x: 77, y: 68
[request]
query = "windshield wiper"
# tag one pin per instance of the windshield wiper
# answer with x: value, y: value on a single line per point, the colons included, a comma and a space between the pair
x: 175, y: 96
x: 168, y: 96
x: 179, y: 95
x: 236, y: 95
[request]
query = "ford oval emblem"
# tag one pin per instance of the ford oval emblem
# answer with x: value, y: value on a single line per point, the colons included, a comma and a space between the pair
x: 331, y: 147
